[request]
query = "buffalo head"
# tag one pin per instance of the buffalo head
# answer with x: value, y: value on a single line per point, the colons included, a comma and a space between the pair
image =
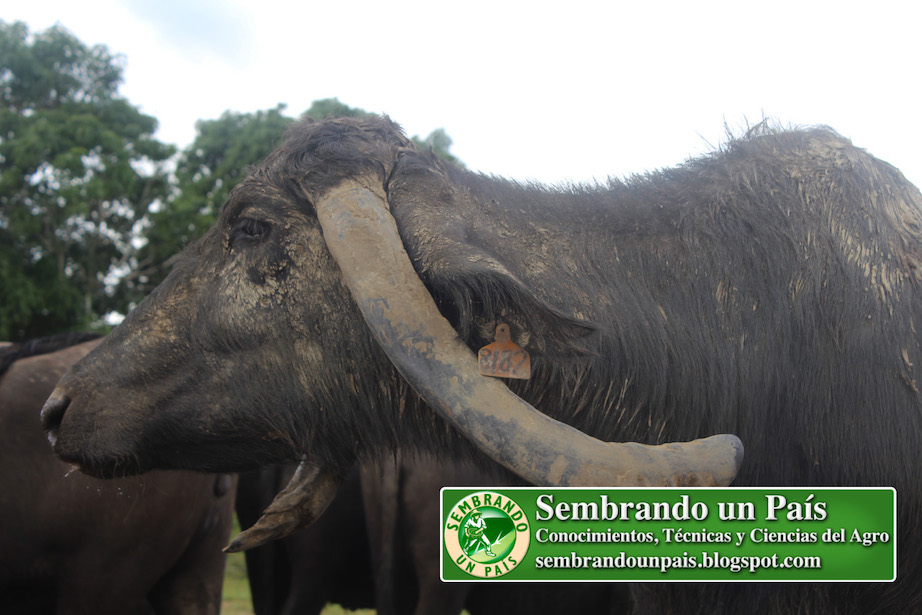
x: 293, y: 329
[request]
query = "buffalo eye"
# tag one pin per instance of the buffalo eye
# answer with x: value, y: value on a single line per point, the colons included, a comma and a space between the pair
x: 249, y: 230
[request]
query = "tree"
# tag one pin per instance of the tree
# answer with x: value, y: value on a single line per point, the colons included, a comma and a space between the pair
x: 211, y: 166
x: 206, y: 172
x: 78, y: 169
x: 331, y: 107
x: 439, y: 141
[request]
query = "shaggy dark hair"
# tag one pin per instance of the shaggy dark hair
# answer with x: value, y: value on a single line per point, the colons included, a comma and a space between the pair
x: 769, y: 289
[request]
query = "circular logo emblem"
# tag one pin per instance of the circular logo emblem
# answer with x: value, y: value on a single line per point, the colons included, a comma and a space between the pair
x: 486, y: 534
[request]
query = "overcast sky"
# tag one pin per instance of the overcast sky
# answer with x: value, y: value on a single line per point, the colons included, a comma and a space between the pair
x: 552, y: 91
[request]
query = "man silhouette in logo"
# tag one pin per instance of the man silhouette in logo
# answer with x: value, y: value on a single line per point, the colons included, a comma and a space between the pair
x: 474, y: 534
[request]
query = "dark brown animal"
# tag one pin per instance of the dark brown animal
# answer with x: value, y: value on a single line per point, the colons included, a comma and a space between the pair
x: 402, y: 505
x: 393, y: 567
x: 71, y: 544
x: 328, y: 562
x: 770, y: 289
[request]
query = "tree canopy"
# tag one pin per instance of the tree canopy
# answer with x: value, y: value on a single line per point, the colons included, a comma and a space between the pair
x: 213, y: 164
x: 92, y: 207
x: 206, y: 172
x: 78, y: 168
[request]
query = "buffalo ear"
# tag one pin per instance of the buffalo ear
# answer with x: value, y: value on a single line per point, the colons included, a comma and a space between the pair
x: 481, y: 292
x: 476, y: 273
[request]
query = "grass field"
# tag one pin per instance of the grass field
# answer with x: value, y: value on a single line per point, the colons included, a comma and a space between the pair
x: 236, y: 598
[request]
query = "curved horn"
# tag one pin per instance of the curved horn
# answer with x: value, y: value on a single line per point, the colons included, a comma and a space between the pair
x: 363, y: 238
x: 307, y: 494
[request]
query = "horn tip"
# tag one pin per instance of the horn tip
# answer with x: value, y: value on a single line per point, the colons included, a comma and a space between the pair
x: 733, y: 451
x: 736, y: 447
x: 255, y: 537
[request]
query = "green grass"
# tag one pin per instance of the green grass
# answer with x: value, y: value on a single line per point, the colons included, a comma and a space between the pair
x: 236, y: 598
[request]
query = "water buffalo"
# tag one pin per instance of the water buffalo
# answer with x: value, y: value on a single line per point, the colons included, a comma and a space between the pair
x: 767, y: 289
x: 391, y: 567
x: 74, y: 544
x: 402, y: 498
x: 330, y: 561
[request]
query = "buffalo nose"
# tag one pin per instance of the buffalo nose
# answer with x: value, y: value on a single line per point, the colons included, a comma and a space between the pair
x: 53, y: 412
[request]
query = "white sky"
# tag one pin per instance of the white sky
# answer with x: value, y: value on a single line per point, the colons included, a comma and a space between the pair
x: 553, y: 91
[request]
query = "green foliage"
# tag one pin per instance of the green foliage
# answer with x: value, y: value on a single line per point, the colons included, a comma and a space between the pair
x: 439, y: 141
x: 35, y: 301
x: 90, y: 219
x: 206, y: 172
x: 78, y: 169
x: 331, y: 107
x: 222, y: 152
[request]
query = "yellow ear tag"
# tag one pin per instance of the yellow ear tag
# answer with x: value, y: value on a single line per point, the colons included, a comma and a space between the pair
x: 503, y: 358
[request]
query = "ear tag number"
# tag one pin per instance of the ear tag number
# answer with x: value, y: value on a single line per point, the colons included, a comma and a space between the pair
x: 503, y: 358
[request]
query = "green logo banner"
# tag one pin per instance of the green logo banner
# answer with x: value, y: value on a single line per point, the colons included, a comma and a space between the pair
x: 669, y: 534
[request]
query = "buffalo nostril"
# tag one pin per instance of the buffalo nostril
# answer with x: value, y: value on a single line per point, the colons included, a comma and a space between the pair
x: 53, y: 412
